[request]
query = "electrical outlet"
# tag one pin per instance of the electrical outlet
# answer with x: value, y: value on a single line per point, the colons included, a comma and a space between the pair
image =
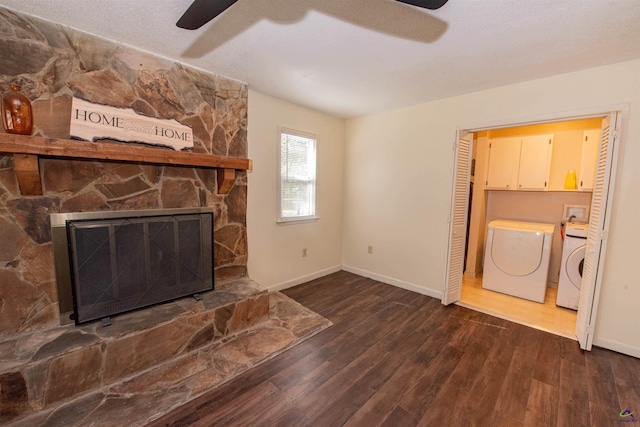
x: 304, y: 252
x: 369, y: 249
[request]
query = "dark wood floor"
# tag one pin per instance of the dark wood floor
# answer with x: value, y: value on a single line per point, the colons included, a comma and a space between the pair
x: 396, y: 358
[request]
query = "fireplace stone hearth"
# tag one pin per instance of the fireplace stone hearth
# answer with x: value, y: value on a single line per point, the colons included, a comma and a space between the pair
x: 66, y: 378
x: 50, y: 367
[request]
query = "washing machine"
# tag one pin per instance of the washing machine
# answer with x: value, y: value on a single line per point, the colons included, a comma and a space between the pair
x: 573, y: 250
x: 516, y: 258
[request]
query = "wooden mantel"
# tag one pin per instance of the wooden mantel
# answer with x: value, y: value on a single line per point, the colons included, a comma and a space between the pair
x: 27, y: 150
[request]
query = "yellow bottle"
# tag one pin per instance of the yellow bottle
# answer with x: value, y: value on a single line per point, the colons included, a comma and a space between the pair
x: 570, y: 180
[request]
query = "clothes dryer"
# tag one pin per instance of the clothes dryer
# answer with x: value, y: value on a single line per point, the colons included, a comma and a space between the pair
x: 516, y: 258
x: 573, y: 250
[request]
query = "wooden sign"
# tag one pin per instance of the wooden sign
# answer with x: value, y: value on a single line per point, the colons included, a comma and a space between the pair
x: 93, y: 122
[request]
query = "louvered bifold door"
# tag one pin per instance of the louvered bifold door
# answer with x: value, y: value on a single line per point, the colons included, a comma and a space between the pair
x: 598, y: 230
x: 458, y: 219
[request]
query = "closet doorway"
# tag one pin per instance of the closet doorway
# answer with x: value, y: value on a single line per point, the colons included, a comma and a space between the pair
x: 598, y: 223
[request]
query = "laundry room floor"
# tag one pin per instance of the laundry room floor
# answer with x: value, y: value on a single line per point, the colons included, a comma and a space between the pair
x: 547, y: 317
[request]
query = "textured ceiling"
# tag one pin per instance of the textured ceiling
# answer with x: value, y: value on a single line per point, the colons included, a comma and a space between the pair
x: 355, y: 57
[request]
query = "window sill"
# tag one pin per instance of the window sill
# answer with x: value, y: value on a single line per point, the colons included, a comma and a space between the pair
x: 300, y: 220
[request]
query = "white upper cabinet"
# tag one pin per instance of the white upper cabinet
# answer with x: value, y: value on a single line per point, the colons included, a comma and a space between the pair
x: 535, y: 162
x: 504, y: 156
x: 521, y: 163
x: 589, y: 158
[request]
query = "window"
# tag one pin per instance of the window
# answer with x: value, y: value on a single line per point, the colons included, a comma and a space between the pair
x: 297, y: 176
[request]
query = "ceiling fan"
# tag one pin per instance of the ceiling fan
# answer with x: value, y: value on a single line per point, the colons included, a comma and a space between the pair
x: 202, y: 11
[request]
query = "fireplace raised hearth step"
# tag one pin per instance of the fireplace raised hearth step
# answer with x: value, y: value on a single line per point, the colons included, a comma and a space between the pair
x: 173, y: 352
x: 139, y: 399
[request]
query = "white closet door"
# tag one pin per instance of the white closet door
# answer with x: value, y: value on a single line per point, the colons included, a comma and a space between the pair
x: 458, y: 219
x: 598, y: 230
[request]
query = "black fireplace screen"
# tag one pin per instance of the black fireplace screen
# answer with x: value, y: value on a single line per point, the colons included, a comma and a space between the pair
x: 121, y: 264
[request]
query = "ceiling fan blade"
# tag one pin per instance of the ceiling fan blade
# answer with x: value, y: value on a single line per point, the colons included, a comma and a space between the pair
x: 202, y: 11
x: 427, y: 4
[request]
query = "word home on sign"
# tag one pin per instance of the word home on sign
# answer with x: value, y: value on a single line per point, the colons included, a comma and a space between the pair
x: 93, y: 122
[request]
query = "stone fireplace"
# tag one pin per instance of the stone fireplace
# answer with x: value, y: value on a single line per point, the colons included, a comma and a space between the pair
x: 43, y: 361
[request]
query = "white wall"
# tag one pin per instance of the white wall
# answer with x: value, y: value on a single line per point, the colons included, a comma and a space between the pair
x: 275, y: 251
x: 398, y: 169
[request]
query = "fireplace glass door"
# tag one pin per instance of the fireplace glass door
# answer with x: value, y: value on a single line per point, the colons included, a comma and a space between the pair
x: 121, y: 264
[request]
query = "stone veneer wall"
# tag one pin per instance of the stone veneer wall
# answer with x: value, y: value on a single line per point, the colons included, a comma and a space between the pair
x: 53, y: 63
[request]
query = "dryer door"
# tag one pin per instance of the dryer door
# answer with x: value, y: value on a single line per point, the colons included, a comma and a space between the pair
x: 517, y: 252
x: 574, y: 266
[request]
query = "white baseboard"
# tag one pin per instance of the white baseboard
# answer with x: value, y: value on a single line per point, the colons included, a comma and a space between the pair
x: 395, y: 282
x: 384, y: 279
x: 617, y: 346
x: 303, y: 279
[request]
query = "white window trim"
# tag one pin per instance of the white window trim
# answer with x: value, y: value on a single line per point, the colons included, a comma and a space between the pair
x: 298, y: 219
